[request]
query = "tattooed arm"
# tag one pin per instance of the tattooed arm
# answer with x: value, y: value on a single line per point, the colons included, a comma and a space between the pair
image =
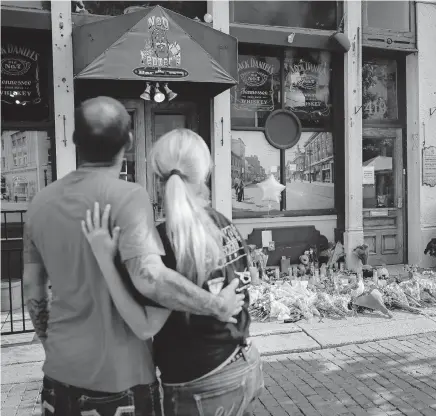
x: 35, y: 286
x: 173, y: 291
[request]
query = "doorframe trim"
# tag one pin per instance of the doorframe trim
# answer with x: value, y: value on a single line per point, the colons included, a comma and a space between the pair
x: 137, y: 105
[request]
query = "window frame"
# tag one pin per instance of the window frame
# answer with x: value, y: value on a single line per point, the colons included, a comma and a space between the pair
x: 335, y: 127
x: 278, y: 52
x: 387, y: 38
x: 400, y: 59
x: 45, y: 125
x: 28, y: 128
x: 271, y: 29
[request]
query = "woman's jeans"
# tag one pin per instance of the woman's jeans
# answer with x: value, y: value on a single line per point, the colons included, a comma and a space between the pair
x: 226, y: 392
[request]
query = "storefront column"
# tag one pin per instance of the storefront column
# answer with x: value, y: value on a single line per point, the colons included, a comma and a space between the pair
x: 62, y: 45
x: 220, y: 130
x: 413, y: 161
x: 421, y: 133
x: 353, y: 235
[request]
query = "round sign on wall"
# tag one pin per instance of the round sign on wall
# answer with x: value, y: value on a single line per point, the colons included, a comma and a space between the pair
x: 282, y: 129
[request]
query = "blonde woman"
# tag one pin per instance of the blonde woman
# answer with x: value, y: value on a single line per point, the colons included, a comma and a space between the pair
x: 207, y: 367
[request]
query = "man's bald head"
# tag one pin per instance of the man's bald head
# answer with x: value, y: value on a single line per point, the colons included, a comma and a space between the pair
x: 102, y: 127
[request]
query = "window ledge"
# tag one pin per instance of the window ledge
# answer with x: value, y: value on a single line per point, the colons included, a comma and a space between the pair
x: 284, y: 216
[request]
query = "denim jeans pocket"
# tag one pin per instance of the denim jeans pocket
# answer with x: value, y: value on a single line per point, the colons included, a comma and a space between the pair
x: 230, y: 400
x: 48, y: 401
x: 119, y: 404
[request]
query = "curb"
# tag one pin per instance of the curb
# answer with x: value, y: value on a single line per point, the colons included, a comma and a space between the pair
x: 330, y: 346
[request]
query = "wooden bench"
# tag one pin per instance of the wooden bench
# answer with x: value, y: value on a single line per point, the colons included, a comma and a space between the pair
x: 290, y: 242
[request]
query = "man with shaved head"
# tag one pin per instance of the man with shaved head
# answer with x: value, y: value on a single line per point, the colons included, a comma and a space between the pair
x: 94, y: 364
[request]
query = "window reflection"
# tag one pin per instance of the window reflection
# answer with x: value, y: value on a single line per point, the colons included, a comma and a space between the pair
x: 379, y: 82
x: 26, y: 167
x: 379, y: 183
x: 253, y: 159
x: 392, y: 15
x: 309, y: 14
x: 189, y: 9
x: 310, y: 173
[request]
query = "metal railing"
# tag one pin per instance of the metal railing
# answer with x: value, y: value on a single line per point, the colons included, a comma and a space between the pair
x: 14, y: 317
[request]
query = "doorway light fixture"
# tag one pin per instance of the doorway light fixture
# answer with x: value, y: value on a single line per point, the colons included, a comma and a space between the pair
x: 158, y: 95
x: 146, y: 94
x: 170, y: 94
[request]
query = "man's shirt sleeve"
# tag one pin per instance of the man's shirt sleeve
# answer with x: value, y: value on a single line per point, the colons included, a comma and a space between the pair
x: 138, y: 234
x: 138, y: 237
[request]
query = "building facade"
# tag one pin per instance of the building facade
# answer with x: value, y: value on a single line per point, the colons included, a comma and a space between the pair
x: 358, y: 75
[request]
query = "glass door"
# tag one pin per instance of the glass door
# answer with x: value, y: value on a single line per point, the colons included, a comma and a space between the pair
x: 383, y: 195
x: 134, y: 165
x: 149, y: 122
x: 160, y: 119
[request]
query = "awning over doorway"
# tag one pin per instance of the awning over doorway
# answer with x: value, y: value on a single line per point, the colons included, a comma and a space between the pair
x: 155, y: 44
x: 380, y: 163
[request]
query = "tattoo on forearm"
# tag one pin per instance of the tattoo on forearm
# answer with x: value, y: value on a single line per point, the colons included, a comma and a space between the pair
x: 172, y: 290
x: 39, y: 314
x: 30, y: 254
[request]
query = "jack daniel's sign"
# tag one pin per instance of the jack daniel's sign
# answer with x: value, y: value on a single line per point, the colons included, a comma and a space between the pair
x: 255, y: 88
x: 20, y: 83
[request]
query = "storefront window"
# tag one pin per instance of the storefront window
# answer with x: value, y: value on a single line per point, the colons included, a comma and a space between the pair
x: 391, y: 15
x: 307, y: 86
x: 309, y: 172
x: 25, y: 68
x: 189, y: 9
x: 26, y: 167
x: 258, y: 91
x: 379, y: 97
x: 253, y: 159
x: 307, y: 14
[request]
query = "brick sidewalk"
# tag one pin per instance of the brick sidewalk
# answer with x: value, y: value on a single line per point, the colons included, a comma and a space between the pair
x: 392, y: 377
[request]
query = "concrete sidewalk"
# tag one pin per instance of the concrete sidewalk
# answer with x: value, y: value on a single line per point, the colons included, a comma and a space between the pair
x: 279, y: 338
x: 22, y: 355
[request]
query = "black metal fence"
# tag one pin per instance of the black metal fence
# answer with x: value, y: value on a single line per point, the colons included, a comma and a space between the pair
x: 14, y: 316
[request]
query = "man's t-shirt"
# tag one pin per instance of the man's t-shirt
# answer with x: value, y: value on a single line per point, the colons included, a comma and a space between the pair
x: 88, y: 343
x: 189, y: 347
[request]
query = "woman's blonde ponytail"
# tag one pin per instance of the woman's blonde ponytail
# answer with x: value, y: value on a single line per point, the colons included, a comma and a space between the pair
x: 182, y: 160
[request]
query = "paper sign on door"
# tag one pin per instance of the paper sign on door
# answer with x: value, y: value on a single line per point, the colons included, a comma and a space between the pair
x: 266, y: 238
x: 368, y: 175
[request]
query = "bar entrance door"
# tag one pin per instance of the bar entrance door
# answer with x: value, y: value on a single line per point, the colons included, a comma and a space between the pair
x: 383, y: 195
x: 149, y: 122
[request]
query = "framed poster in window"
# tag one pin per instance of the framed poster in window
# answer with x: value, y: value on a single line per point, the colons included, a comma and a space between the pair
x: 25, y: 72
x: 258, y: 91
x: 307, y: 86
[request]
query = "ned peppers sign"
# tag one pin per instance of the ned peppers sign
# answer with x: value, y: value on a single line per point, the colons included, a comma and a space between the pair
x: 20, y: 83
